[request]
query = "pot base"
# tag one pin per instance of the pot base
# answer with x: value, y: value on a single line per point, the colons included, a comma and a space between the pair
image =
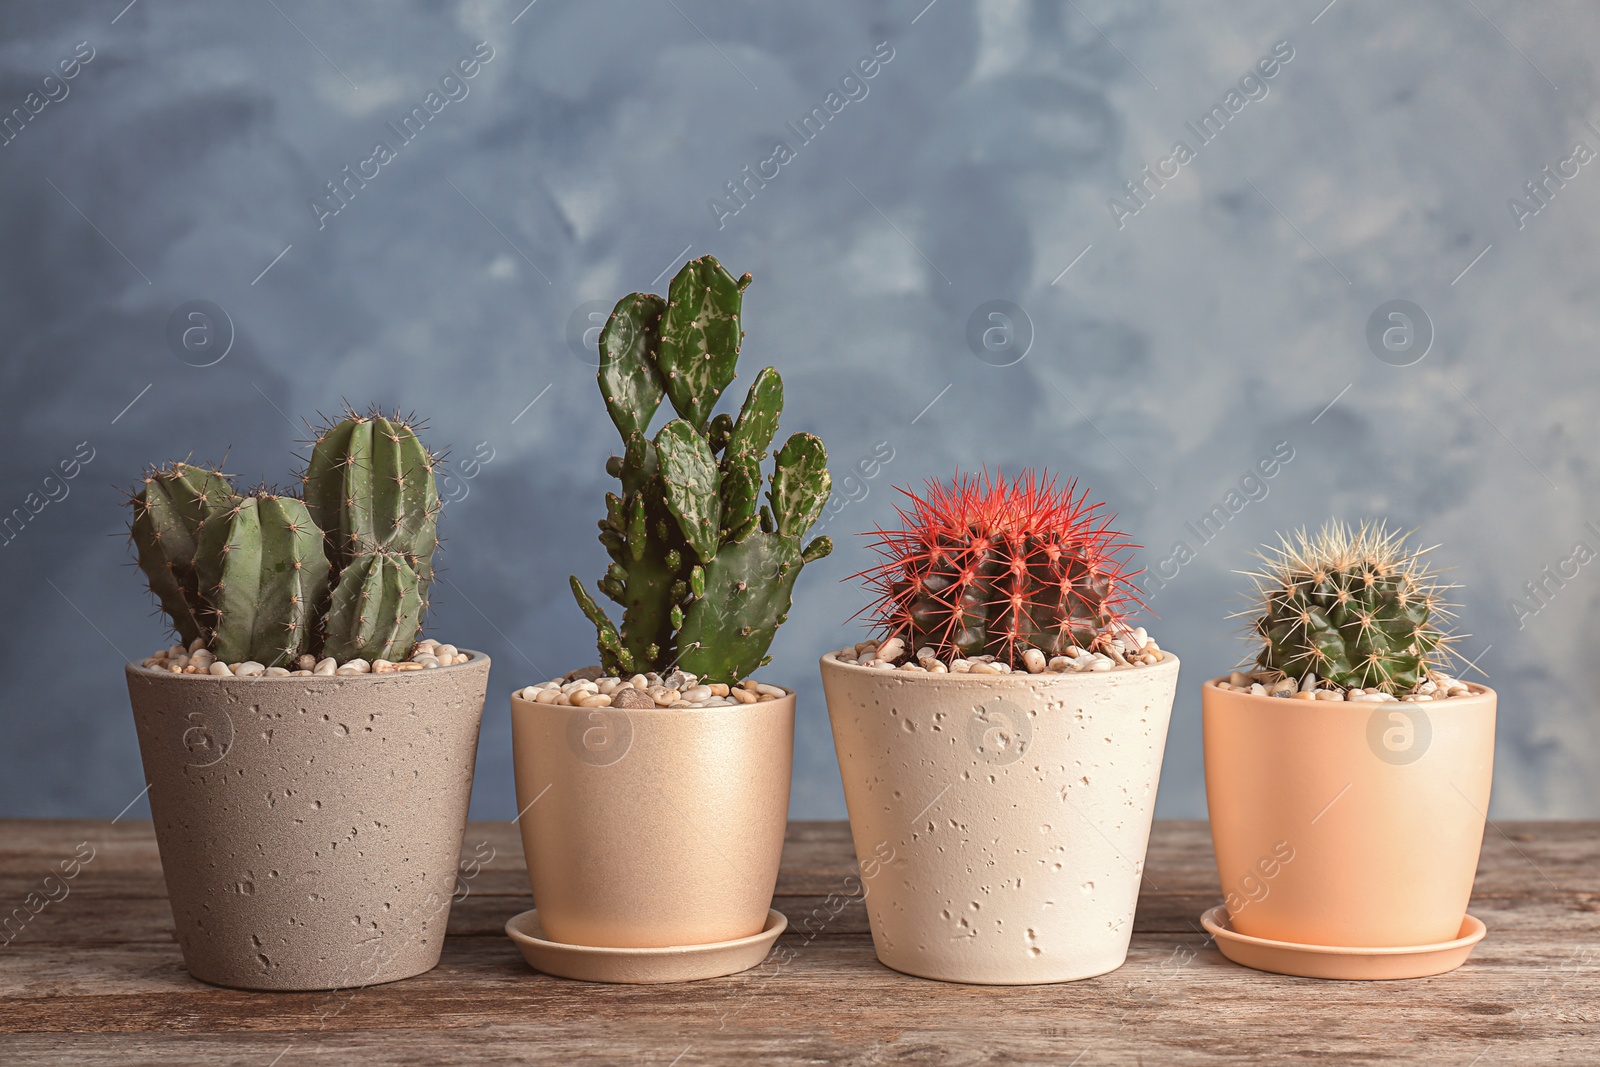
x: 642, y: 966
x: 959, y: 977
x: 1345, y: 964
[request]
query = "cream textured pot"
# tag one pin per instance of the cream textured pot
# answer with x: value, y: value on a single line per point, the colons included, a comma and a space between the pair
x: 1348, y: 824
x: 310, y: 828
x: 651, y: 828
x: 1000, y: 819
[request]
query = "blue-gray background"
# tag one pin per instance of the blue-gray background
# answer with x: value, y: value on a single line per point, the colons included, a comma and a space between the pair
x: 1221, y: 318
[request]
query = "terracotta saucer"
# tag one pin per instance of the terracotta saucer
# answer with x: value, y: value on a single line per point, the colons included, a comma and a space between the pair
x: 642, y: 966
x: 1349, y: 964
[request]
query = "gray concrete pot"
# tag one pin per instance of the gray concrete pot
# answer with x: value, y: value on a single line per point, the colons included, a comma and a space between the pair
x: 310, y: 827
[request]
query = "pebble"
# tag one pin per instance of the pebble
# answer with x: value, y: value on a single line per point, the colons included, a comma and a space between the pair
x: 1129, y: 648
x: 628, y: 696
x: 197, y: 659
x: 645, y: 691
x: 1436, y: 687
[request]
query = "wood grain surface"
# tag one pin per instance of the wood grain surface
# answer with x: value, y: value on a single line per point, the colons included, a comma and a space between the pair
x: 95, y: 978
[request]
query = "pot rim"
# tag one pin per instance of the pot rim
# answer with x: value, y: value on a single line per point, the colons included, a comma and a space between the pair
x: 828, y: 661
x: 1476, y: 693
x: 518, y: 700
x: 479, y: 659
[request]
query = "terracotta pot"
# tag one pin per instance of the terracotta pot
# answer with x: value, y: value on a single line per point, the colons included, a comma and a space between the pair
x: 1347, y: 824
x: 1000, y: 820
x: 652, y: 828
x: 309, y: 828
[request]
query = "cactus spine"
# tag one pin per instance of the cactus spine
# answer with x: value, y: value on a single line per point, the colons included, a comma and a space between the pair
x: 1357, y: 608
x: 268, y: 576
x: 703, y: 571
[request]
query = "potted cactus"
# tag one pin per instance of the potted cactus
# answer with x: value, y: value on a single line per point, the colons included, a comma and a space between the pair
x: 1347, y: 774
x: 667, y: 765
x: 309, y: 760
x: 1003, y: 734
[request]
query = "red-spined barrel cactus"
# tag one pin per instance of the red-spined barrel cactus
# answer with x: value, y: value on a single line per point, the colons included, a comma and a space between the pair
x: 1357, y: 608
x: 994, y: 566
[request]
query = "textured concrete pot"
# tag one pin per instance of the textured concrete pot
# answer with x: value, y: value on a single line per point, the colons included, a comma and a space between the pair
x: 310, y: 827
x: 1347, y: 824
x: 1000, y: 820
x: 652, y: 828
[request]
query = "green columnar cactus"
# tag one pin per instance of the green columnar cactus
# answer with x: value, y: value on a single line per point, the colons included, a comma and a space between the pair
x: 167, y: 516
x: 370, y: 484
x: 704, y: 572
x: 268, y: 577
x: 376, y: 609
x: 1356, y: 608
x: 261, y: 568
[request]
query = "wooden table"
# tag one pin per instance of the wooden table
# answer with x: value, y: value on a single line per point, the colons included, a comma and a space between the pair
x: 95, y: 978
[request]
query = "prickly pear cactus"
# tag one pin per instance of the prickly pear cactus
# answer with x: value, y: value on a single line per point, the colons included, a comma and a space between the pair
x: 261, y: 568
x: 703, y: 571
x: 1358, y: 608
x: 168, y: 511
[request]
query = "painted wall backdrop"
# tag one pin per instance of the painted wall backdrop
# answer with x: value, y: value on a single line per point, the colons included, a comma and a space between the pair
x: 1152, y: 246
